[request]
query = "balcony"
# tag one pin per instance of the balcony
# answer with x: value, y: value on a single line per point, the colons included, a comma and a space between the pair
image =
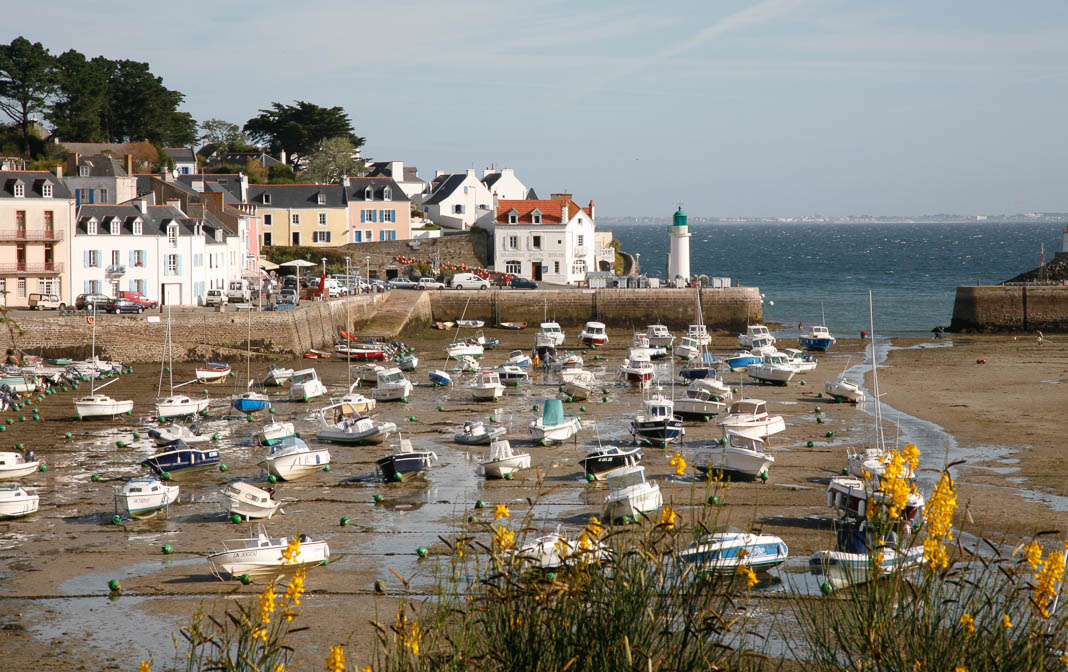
x: 19, y: 236
x: 115, y: 269
x: 46, y: 268
x: 606, y: 254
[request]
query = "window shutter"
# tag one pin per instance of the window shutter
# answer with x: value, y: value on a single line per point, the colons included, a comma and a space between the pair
x: 179, y: 265
x: 86, y: 287
x: 133, y: 285
x: 363, y: 217
x: 393, y: 215
x: 133, y: 258
x: 86, y: 261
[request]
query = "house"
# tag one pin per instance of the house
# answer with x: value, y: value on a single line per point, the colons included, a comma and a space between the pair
x: 185, y: 161
x: 379, y: 209
x: 504, y: 184
x: 316, y: 215
x: 458, y: 201
x: 100, y: 179
x: 36, y: 217
x: 604, y: 252
x: 241, y: 158
x: 549, y: 240
x: 226, y: 197
x: 406, y: 177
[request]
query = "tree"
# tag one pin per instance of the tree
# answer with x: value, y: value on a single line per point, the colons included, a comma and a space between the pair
x: 300, y: 129
x: 225, y: 136
x: 281, y: 174
x: 333, y: 160
x: 139, y: 107
x: 80, y: 97
x: 26, y: 80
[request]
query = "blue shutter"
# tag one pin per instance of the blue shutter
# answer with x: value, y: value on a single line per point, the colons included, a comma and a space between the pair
x: 393, y: 215
x: 373, y: 213
x: 393, y: 234
x: 133, y: 285
x: 363, y: 218
x: 356, y: 236
x: 179, y: 265
x: 381, y: 215
x: 86, y: 260
x: 132, y: 255
x: 91, y: 194
x: 86, y: 288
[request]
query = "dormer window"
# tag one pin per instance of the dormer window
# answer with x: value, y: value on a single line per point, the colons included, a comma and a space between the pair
x: 218, y: 235
x: 387, y: 194
x: 368, y: 194
x: 83, y: 170
x: 46, y: 190
x: 90, y: 227
x: 266, y: 199
x: 322, y: 198
x: 115, y: 227
x: 20, y: 189
x: 172, y: 234
x: 535, y: 216
x: 138, y: 227
x: 513, y: 217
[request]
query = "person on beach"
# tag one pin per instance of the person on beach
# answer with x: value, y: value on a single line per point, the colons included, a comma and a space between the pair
x: 863, y: 335
x: 1041, y: 338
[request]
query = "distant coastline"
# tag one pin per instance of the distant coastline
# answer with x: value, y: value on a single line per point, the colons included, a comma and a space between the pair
x: 1022, y: 218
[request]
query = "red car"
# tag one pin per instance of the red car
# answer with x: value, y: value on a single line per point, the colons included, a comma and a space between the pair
x: 140, y: 299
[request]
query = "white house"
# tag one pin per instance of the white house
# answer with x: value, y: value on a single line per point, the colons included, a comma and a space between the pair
x: 458, y: 201
x: 406, y: 177
x: 550, y: 240
x: 504, y: 184
x: 185, y: 160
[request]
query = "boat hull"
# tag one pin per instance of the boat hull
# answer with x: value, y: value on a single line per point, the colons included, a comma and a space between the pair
x: 817, y: 344
x: 23, y: 506
x: 100, y: 409
x: 507, y: 466
x: 755, y: 429
x: 20, y: 471
x: 402, y: 467
x: 299, y: 465
x: 660, y: 432
x: 251, y: 404
x: 633, y: 505
x: 555, y: 433
x: 312, y: 389
x: 488, y: 393
x: 183, y: 462
x: 596, y: 464
x: 146, y: 506
x: 267, y: 562
x: 272, y: 434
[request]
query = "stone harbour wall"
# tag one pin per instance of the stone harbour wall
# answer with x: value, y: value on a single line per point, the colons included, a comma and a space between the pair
x: 1009, y: 308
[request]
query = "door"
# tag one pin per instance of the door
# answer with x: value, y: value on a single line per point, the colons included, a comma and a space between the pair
x: 296, y: 237
x: 535, y: 271
x: 172, y: 294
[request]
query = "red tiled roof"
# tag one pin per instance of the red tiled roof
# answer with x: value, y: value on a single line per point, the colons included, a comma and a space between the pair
x: 551, y: 210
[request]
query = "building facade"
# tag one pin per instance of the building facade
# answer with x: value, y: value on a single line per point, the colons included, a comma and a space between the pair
x: 100, y: 179
x: 314, y: 215
x: 504, y: 184
x: 545, y: 240
x: 36, y: 218
x: 379, y: 209
x: 458, y: 201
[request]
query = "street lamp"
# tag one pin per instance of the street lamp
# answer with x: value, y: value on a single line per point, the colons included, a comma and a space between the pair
x: 322, y: 283
x: 367, y: 261
x: 348, y: 273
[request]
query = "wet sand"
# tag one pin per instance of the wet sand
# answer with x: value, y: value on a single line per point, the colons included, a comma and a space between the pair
x: 55, y: 612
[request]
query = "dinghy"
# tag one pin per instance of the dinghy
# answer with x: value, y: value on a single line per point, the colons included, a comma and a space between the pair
x: 477, y: 433
x: 248, y: 501
x: 260, y: 556
x: 144, y: 497
x: 291, y: 458
x: 502, y: 461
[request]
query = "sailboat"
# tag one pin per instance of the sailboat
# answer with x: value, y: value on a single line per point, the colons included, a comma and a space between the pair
x: 250, y: 401
x: 175, y: 405
x: 699, y: 366
x: 471, y: 347
x: 98, y: 405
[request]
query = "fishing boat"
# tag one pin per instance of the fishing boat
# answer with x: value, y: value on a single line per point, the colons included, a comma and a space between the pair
x: 818, y: 338
x: 478, y: 433
x: 857, y: 558
x: 274, y: 432
x: 291, y: 458
x: 554, y: 550
x: 277, y: 376
x: 405, y: 462
x: 15, y: 502
x: 725, y: 551
x: 212, y: 372
x: 440, y: 377
x: 754, y: 331
x: 704, y: 399
x: 144, y: 496
x: 568, y: 366
x: 551, y: 331
x: 336, y: 427
x: 630, y: 495
x: 487, y: 386
x: 511, y: 374
x: 491, y: 343
x: 502, y: 461
x: 554, y: 426
x: 516, y: 326
x: 19, y: 384
x: 305, y: 385
x: 594, y: 334
x: 391, y: 385
x: 260, y: 556
x: 844, y: 389
x: 179, y: 459
x: 636, y: 372
x: 741, y: 458
x: 14, y: 466
x: 656, y: 425
x: 175, y: 431
x: 870, y: 463
x: 659, y: 335
x: 408, y: 362
x: 750, y: 417
x: 742, y: 360
x: 471, y: 324
x: 248, y: 501
x: 775, y: 369
x: 801, y: 362
x: 641, y: 347
x: 96, y: 405
x: 604, y: 459
x: 580, y: 385
x: 518, y: 358
x: 849, y: 496
x: 687, y: 349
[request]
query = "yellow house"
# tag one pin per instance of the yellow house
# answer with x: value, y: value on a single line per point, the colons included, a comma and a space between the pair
x: 36, y: 215
x: 314, y: 215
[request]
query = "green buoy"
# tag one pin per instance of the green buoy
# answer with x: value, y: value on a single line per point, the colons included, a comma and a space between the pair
x: 411, y: 418
x: 829, y: 435
x: 214, y: 437
x: 819, y: 395
x: 166, y: 475
x: 223, y: 467
x: 569, y: 400
x: 136, y: 436
x: 582, y: 409
x: 94, y: 478
x: 235, y: 519
x: 604, y: 400
x: 480, y: 504
x: 18, y: 446
x: 845, y: 471
x: 819, y: 420
x: 763, y: 477
x: 493, y: 418
x: 507, y: 475
x: 818, y: 409
x: 246, y: 579
x: 440, y: 407
x: 713, y: 499
x: 826, y: 588
x: 119, y: 443
x: 421, y: 551
x: 380, y: 586
x: 326, y: 467
x: 271, y: 478
x: 810, y: 443
x: 44, y: 467
x: 535, y: 408
x: 589, y: 478
x: 344, y: 521
x: 377, y: 498
x: 116, y: 519
x: 114, y: 585
x: 167, y: 549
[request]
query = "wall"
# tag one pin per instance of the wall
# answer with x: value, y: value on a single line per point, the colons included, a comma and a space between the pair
x: 1011, y: 308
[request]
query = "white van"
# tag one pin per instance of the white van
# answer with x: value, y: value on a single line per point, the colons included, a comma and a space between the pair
x: 239, y: 292
x: 468, y: 281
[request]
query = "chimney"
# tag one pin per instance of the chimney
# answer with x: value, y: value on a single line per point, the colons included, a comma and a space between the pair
x: 563, y: 215
x: 141, y: 205
x: 59, y: 171
x: 471, y: 172
x: 396, y: 171
x: 591, y: 210
x: 282, y: 156
x: 345, y: 182
x: 486, y: 172
x: 560, y: 197
x: 439, y: 173
x: 243, y: 179
x: 506, y: 171
x: 129, y: 165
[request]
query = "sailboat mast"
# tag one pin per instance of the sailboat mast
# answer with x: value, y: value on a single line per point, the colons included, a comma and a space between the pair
x: 92, y: 378
x: 875, y: 378
x: 170, y: 351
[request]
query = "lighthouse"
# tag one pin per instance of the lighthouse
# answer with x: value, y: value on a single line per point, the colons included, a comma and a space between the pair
x: 679, y: 261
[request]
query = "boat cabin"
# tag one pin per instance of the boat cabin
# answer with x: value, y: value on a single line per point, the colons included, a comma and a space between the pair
x: 551, y: 328
x: 819, y: 332
x: 698, y: 332
x: 757, y: 330
x: 391, y: 376
x: 749, y: 407
x: 657, y: 331
x: 594, y: 329
x: 488, y: 378
x: 622, y: 478
x: 303, y: 376
x: 658, y: 407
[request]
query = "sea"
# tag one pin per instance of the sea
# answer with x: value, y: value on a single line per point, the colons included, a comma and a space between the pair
x: 808, y: 270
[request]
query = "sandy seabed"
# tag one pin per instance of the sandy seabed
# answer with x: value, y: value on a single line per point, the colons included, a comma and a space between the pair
x: 996, y: 402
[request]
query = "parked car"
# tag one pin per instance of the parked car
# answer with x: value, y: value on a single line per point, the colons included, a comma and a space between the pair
x: 401, y: 282
x: 46, y: 302
x: 522, y: 283
x: 97, y: 301
x: 430, y: 283
x: 140, y: 299
x: 469, y: 281
x: 288, y: 295
x: 215, y: 297
x: 121, y: 305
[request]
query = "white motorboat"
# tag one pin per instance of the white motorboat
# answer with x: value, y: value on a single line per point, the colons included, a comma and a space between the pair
x: 641, y: 347
x: 291, y: 458
x: 754, y: 331
x: 511, y: 374
x: 260, y: 556
x: 467, y: 363
x: 337, y: 427
x: 699, y: 333
x: 365, y: 373
x: 687, y: 349
x: 478, y: 433
x: 844, y: 389
x: 568, y: 366
x: 304, y: 385
x: 551, y: 551
x: 818, y: 338
x: 775, y: 369
x: 392, y: 385
x: 630, y: 495
x: 144, y: 497
x: 502, y: 461
x: 14, y: 466
x: 277, y: 376
x: 750, y: 417
x: 871, y: 463
x: 849, y: 496
x: 467, y: 348
x: 404, y: 462
x: 594, y: 334
x: 15, y: 502
x: 554, y: 426
x: 248, y: 501
x: 518, y: 358
x: 544, y: 348
x: 724, y: 552
x: 552, y: 333
x: 762, y: 346
x: 580, y: 384
x: 487, y: 386
x: 656, y: 424
x: 741, y: 458
x: 605, y: 459
x: 857, y: 559
x: 636, y: 372
x: 274, y: 432
x: 659, y: 335
x: 703, y: 400
x: 180, y: 406
x: 801, y: 362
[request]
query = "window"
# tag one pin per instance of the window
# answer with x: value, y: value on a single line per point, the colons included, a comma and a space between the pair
x: 20, y: 189
x: 114, y: 257
x: 387, y: 234
x: 513, y: 217
x: 321, y: 198
x: 172, y: 235
x: 268, y: 220
x: 20, y: 223
x: 579, y: 267
x: 266, y: 238
x: 138, y: 227
x: 368, y: 194
x: 295, y: 219
x: 296, y: 238
x: 83, y: 170
x: 321, y: 236
x: 92, y: 258
x: 535, y: 217
x: 22, y: 287
x: 103, y: 195
x: 322, y: 219
x: 116, y: 227
x: 579, y: 241
x: 513, y: 267
x: 513, y: 242
x: 465, y: 190
x: 172, y: 264
x: 90, y: 227
x: 556, y: 267
x: 94, y: 286
x: 266, y: 198
x: 138, y: 257
x: 387, y: 194
x: 138, y: 286
x: 46, y: 190
x: 387, y: 215
x: 185, y: 170
x: 367, y: 235
x: 535, y: 242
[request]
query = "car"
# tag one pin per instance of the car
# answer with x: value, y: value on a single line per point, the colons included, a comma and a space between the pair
x: 288, y: 295
x: 46, y: 302
x: 97, y: 301
x: 121, y: 305
x: 522, y: 283
x: 430, y: 283
x: 400, y: 282
x: 140, y: 299
x: 215, y: 297
x: 468, y: 280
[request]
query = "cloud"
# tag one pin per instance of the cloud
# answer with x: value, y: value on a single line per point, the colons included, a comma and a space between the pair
x: 760, y: 13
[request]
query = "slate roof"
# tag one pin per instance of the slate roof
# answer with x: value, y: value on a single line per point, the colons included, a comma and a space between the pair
x: 491, y: 180
x: 227, y: 182
x: 99, y: 148
x: 181, y: 154
x: 33, y: 181
x: 299, y: 195
x: 358, y: 186
x: 382, y: 169
x: 444, y: 186
x: 100, y: 166
x: 551, y: 211
x: 155, y: 219
x: 265, y: 159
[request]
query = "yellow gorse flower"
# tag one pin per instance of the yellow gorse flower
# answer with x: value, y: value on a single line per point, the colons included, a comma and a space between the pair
x: 1033, y: 554
x: 292, y: 549
x: 896, y: 483
x: 503, y: 538
x: 667, y: 517
x: 960, y: 668
x: 295, y: 588
x: 1047, y: 580
x: 1064, y: 659
x: 267, y: 607
x: 145, y: 667
x: 411, y: 639
x: 461, y: 545
x: 749, y: 574
x: 1006, y: 621
x: 594, y: 527
x: 679, y: 463
x: 501, y: 512
x: 968, y: 622
x: 940, y: 510
x: 335, y: 662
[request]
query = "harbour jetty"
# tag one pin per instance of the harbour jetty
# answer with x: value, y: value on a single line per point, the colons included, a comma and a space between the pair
x: 1011, y: 307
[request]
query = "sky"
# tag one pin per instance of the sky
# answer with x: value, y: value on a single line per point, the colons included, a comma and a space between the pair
x: 775, y: 108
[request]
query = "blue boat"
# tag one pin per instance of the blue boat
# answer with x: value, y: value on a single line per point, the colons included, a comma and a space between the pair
x: 440, y: 377
x: 405, y: 462
x: 179, y: 458
x: 818, y: 338
x: 656, y: 424
x: 408, y: 362
x: 742, y: 360
x: 251, y: 401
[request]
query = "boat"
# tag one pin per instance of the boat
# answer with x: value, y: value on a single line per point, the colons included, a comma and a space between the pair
x: 723, y: 552
x: 502, y: 461
x: 15, y: 502
x: 354, y: 403
x: 212, y: 372
x: 818, y: 338
x: 291, y: 458
x: 594, y: 334
x: 641, y: 347
x: 568, y: 366
x: 604, y: 459
x: 277, y: 376
x: 60, y: 361
x: 656, y: 425
x: 699, y: 333
x: 513, y: 325
x: 871, y: 463
x: 440, y: 377
x: 305, y: 385
x: 144, y: 496
x: 741, y: 458
x: 801, y: 362
x: 248, y: 501
x: 700, y: 367
x: 579, y: 385
x: 856, y: 559
x: 554, y: 426
x: 180, y: 406
x: 491, y: 343
x: 844, y: 389
x: 260, y: 556
x: 179, y: 459
x: 274, y: 432
x: 687, y: 349
x: 18, y: 384
x: 518, y: 358
x: 849, y: 496
x: 659, y: 335
x: 487, y: 386
x: 351, y: 430
x: 471, y: 324
x: 175, y: 431
x: 408, y: 362
x: 552, y: 551
x: 405, y: 462
x: 511, y: 374
x: 544, y: 348
x: 361, y: 351
x: 742, y: 360
x: 754, y: 331
x: 365, y: 373
x: 316, y: 354
x: 704, y: 399
x: 250, y: 401
x: 636, y: 372
x: 96, y: 405
x: 775, y: 369
x: 466, y: 348
x: 764, y: 346
x: 630, y: 495
x: 749, y: 417
x: 478, y: 433
x: 552, y: 332
x: 14, y: 466
x: 467, y: 363
x: 444, y: 326
x: 391, y: 385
